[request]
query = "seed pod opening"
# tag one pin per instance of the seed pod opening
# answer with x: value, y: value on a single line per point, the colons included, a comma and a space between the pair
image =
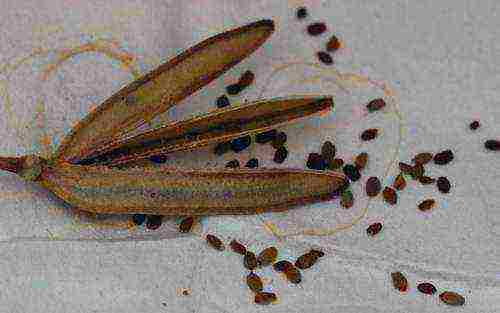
x: 443, y: 184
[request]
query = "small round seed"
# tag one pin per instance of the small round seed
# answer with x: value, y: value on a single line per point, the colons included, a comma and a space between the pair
x: 374, y: 229
x: 280, y: 155
x: 282, y: 266
x: 265, y: 298
x: 215, y: 242
x: 233, y: 164
x: 293, y: 275
x: 138, y: 219
x: 493, y: 145
x: 361, y: 160
x: 267, y: 256
x: 324, y: 57
x: 250, y: 260
x: 186, y: 224
x: 426, y: 180
x: 222, y: 148
x: 474, y: 125
x: 443, y: 184
x: 306, y: 260
x: 328, y: 151
x: 452, y: 298
x: 333, y: 44
x: 222, y: 101
x: 399, y: 183
x: 240, y: 144
x: 373, y: 186
x: 426, y: 205
x: 153, y: 221
x: 301, y: 12
x: 246, y: 79
x: 427, y: 288
x: 316, y: 29
x: 351, y: 172
x: 423, y: 158
x: 237, y: 247
x: 315, y: 162
x: 279, y: 140
x: 266, y: 136
x: 443, y: 157
x: 233, y: 89
x: 375, y: 105
x: 399, y: 281
x: 390, y: 195
x: 369, y: 134
x: 254, y: 282
x: 335, y: 164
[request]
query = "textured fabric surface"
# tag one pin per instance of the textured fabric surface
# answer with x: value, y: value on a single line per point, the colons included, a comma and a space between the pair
x: 440, y: 61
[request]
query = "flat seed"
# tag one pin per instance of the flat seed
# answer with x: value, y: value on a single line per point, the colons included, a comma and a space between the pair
x: 306, y: 260
x: 426, y: 180
x: 222, y: 148
x: 390, y: 195
x: 301, y: 13
x: 452, y: 298
x: 426, y: 205
x: 266, y: 136
x: 324, y: 57
x: 233, y: 164
x: 373, y: 186
x: 153, y: 221
x: 423, y: 158
x: 186, y: 224
x: 405, y: 168
x: 347, y: 199
x: 222, y: 102
x: 361, y: 160
x: 158, y: 159
x: 215, y: 242
x: 375, y: 105
x: 399, y: 183
x: 374, y: 229
x: 254, y: 282
x: 418, y: 171
x: 237, y: 247
x: 351, y: 172
x: 493, y: 145
x: 250, y: 260
x: 316, y: 29
x: 265, y: 298
x: 233, y: 89
x: 427, y: 288
x: 333, y: 44
x: 280, y: 155
x: 138, y: 219
x: 315, y: 162
x: 369, y: 134
x: 328, y: 151
x: 267, y: 256
x: 240, y: 144
x: 246, y: 79
x: 282, y: 266
x: 335, y: 164
x: 293, y: 275
x: 474, y: 125
x: 279, y: 140
x: 443, y: 157
x: 252, y: 163
x: 443, y: 184
x: 399, y: 281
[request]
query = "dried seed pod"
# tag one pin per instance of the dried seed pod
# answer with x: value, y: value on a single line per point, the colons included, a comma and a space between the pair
x: 293, y: 275
x: 324, y: 57
x: 246, y: 79
x: 215, y: 242
x: 222, y: 101
x: 240, y: 144
x: 351, y: 172
x: 474, y: 125
x: 426, y: 180
x: 418, y: 171
x: 186, y: 224
x: 328, y: 151
x: 233, y: 164
x: 233, y: 89
x: 405, y: 168
x: 250, y: 260
x: 443, y: 157
x: 282, y: 266
x: 427, y: 288
x: 426, y: 205
x: 493, y: 145
x: 369, y: 134
x: 265, y: 298
x: 279, y: 140
x: 267, y: 256
x: 301, y: 12
x: 361, y: 160
x: 333, y: 44
x: 316, y: 29
x: 280, y: 155
x: 335, y: 164
x: 373, y: 186
x: 399, y: 281
x: 423, y: 158
x: 153, y: 221
x: 252, y: 163
x: 306, y: 260
x: 254, y: 282
x: 452, y: 298
x: 443, y: 184
x: 238, y: 247
x: 390, y: 195
x: 374, y: 229
x: 346, y: 199
x: 315, y: 162
x: 399, y: 183
x: 375, y: 105
x: 138, y: 219
x: 266, y: 136
x: 222, y: 148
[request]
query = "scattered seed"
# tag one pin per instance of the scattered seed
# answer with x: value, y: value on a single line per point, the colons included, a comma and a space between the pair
x: 390, y: 195
x: 138, y: 219
x: 222, y: 101
x: 418, y: 171
x: 399, y: 281
x: 250, y: 260
x: 306, y: 260
x: 328, y: 151
x: 293, y: 275
x: 444, y: 157
x: 493, y: 145
x: 405, y: 168
x: 426, y: 180
x: 452, y: 298
x: 240, y: 144
x: 280, y: 155
x: 361, y: 160
x: 474, y: 125
x: 246, y: 79
x: 254, y: 282
x: 315, y: 162
x: 186, y: 224
x: 373, y: 186
x: 282, y: 266
x: 374, y: 229
x: 369, y: 134
x: 267, y: 256
x: 159, y: 159
x: 346, y: 199
x: 153, y: 221
x: 252, y: 163
x: 265, y: 298
x: 333, y: 44
x: 266, y: 136
x: 279, y: 140
x: 335, y: 164
x: 426, y: 288
x: 215, y: 242
x: 351, y: 172
x: 399, y: 183
x: 233, y: 164
x: 422, y: 158
x: 238, y: 247
x: 426, y: 205
x: 324, y: 57
x: 443, y: 184
x: 375, y: 105
x: 233, y: 89
x: 316, y: 29
x: 301, y: 12
x: 222, y: 148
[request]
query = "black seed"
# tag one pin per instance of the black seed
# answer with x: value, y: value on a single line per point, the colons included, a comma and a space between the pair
x: 280, y: 155
x: 233, y: 89
x: 266, y: 137
x: 369, y: 134
x: 158, y: 158
x: 493, y: 145
x: 443, y: 184
x: 153, y: 221
x: 443, y: 157
x: 240, y: 144
x: 375, y: 105
x: 324, y: 57
x: 222, y: 101
x: 374, y: 229
x: 474, y: 125
x: 138, y: 219
x: 316, y: 29
x: 333, y: 44
x: 427, y: 288
x: 222, y: 148
x: 252, y: 163
x: 351, y: 172
x: 301, y: 12
x: 315, y: 162
x: 279, y: 140
x: 233, y: 164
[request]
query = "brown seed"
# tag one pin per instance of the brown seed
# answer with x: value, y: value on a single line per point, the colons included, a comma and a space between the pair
x: 399, y: 281
x: 374, y: 229
x: 246, y: 79
x: 443, y: 184
x: 265, y: 298
x: 267, y: 256
x: 426, y: 180
x: 250, y: 260
x: 418, y: 171
x: 215, y: 242
x: 293, y: 275
x: 316, y: 29
x: 373, y: 186
x: 423, y: 158
x: 335, y: 164
x: 399, y: 183
x: 390, y: 195
x: 474, y: 125
x: 443, y: 157
x: 427, y: 288
x: 369, y: 134
x: 282, y: 266
x: 405, y: 168
x: 237, y: 247
x: 319, y: 253
x: 452, y: 298
x: 361, y: 160
x: 333, y: 44
x: 306, y: 260
x: 493, y: 145
x: 426, y: 205
x: 375, y: 105
x: 324, y: 57
x: 254, y: 282
x: 186, y: 224
x: 328, y: 151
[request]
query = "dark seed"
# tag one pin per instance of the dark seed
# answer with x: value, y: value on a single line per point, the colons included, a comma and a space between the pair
x: 252, y: 163
x: 324, y: 57
x: 369, y: 134
x: 233, y: 164
x: 390, y: 195
x: 373, y: 186
x: 222, y: 101
x: 426, y: 205
x: 493, y: 145
x: 328, y: 151
x: 279, y: 140
x: 153, y: 221
x: 254, y: 282
x: 405, y: 168
x: 222, y: 148
x: 138, y: 219
x: 280, y: 155
x: 250, y: 260
x: 301, y: 12
x: 237, y: 247
x: 422, y: 158
x: 444, y: 157
x: 452, y: 298
x: 215, y: 242
x: 399, y: 183
x: 333, y: 44
x: 293, y: 275
x: 426, y: 180
x: 335, y: 164
x: 399, y: 281
x: 443, y: 184
x: 315, y: 162
x: 265, y: 298
x: 306, y: 260
x: 316, y: 29
x: 474, y: 125
x: 159, y: 159
x: 418, y: 171
x: 282, y: 266
x: 186, y: 224
x: 267, y: 256
x: 233, y: 89
x: 375, y: 105
x: 318, y: 253
x: 426, y: 288
x: 374, y: 229
x: 351, y: 172
x: 266, y: 137
x: 361, y: 160
x: 246, y: 79
x: 347, y: 199
x: 240, y: 144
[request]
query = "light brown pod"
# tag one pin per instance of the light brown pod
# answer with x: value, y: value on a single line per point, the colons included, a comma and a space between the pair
x: 250, y: 260
x: 390, y: 195
x: 399, y: 281
x: 399, y: 183
x: 307, y: 260
x: 426, y: 205
x: 215, y: 242
x: 423, y: 158
x: 452, y: 298
x: 186, y: 224
x: 267, y: 256
x: 265, y: 298
x: 361, y: 160
x: 373, y: 186
x: 254, y: 282
x: 237, y: 247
